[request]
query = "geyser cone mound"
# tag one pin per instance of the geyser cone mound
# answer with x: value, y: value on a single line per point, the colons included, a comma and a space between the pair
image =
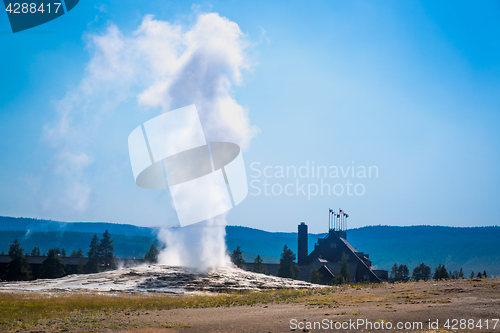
x: 161, y: 278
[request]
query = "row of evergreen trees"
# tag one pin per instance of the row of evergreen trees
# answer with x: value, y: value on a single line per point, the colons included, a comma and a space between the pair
x: 423, y: 272
x: 287, y: 268
x: 18, y: 268
x: 62, y: 253
x: 100, y: 258
x: 258, y: 266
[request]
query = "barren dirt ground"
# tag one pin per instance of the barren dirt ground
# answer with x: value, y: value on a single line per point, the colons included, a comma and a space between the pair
x: 476, y: 301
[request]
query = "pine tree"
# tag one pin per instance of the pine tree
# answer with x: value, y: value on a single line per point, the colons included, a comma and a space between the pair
x: 93, y: 255
x: 63, y: 253
x: 35, y: 251
x: 314, y: 275
x: 18, y: 268
x: 237, y: 257
x: 461, y: 273
x: 394, y: 272
x: 437, y: 273
x: 107, y: 249
x: 52, y: 267
x: 441, y: 273
x: 406, y: 273
x: 288, y: 268
x: 472, y: 275
x: 399, y: 273
x: 444, y: 273
x: 57, y: 251
x: 76, y: 254
x: 258, y: 266
x: 416, y: 274
x: 79, y: 253
x: 152, y: 255
x: 484, y: 275
x: 3, y: 253
x: 421, y: 272
x: 402, y: 273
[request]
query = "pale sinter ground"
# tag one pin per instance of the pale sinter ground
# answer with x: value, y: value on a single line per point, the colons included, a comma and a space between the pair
x: 418, y: 302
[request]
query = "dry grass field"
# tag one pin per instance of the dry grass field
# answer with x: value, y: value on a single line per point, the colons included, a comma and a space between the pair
x: 475, y: 301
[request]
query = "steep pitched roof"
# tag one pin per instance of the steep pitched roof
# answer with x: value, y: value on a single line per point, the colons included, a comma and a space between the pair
x: 351, y: 249
x: 355, y: 253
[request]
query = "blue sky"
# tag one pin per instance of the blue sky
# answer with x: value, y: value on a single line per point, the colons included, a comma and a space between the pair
x: 409, y: 87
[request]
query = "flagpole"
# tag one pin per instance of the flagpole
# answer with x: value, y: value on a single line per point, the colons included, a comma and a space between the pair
x: 329, y: 218
x: 342, y: 221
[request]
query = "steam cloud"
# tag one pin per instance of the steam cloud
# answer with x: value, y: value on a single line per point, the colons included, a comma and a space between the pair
x: 172, y: 68
x: 200, y: 246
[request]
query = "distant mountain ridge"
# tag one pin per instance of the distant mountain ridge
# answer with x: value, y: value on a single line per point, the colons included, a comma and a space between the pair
x: 37, y: 225
x: 474, y: 248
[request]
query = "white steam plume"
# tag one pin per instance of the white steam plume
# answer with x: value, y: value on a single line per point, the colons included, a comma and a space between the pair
x: 166, y: 67
x: 198, y: 67
x: 211, y: 60
x: 201, y: 246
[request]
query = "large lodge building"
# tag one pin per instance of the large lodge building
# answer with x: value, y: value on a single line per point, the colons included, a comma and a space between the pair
x: 327, y: 255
